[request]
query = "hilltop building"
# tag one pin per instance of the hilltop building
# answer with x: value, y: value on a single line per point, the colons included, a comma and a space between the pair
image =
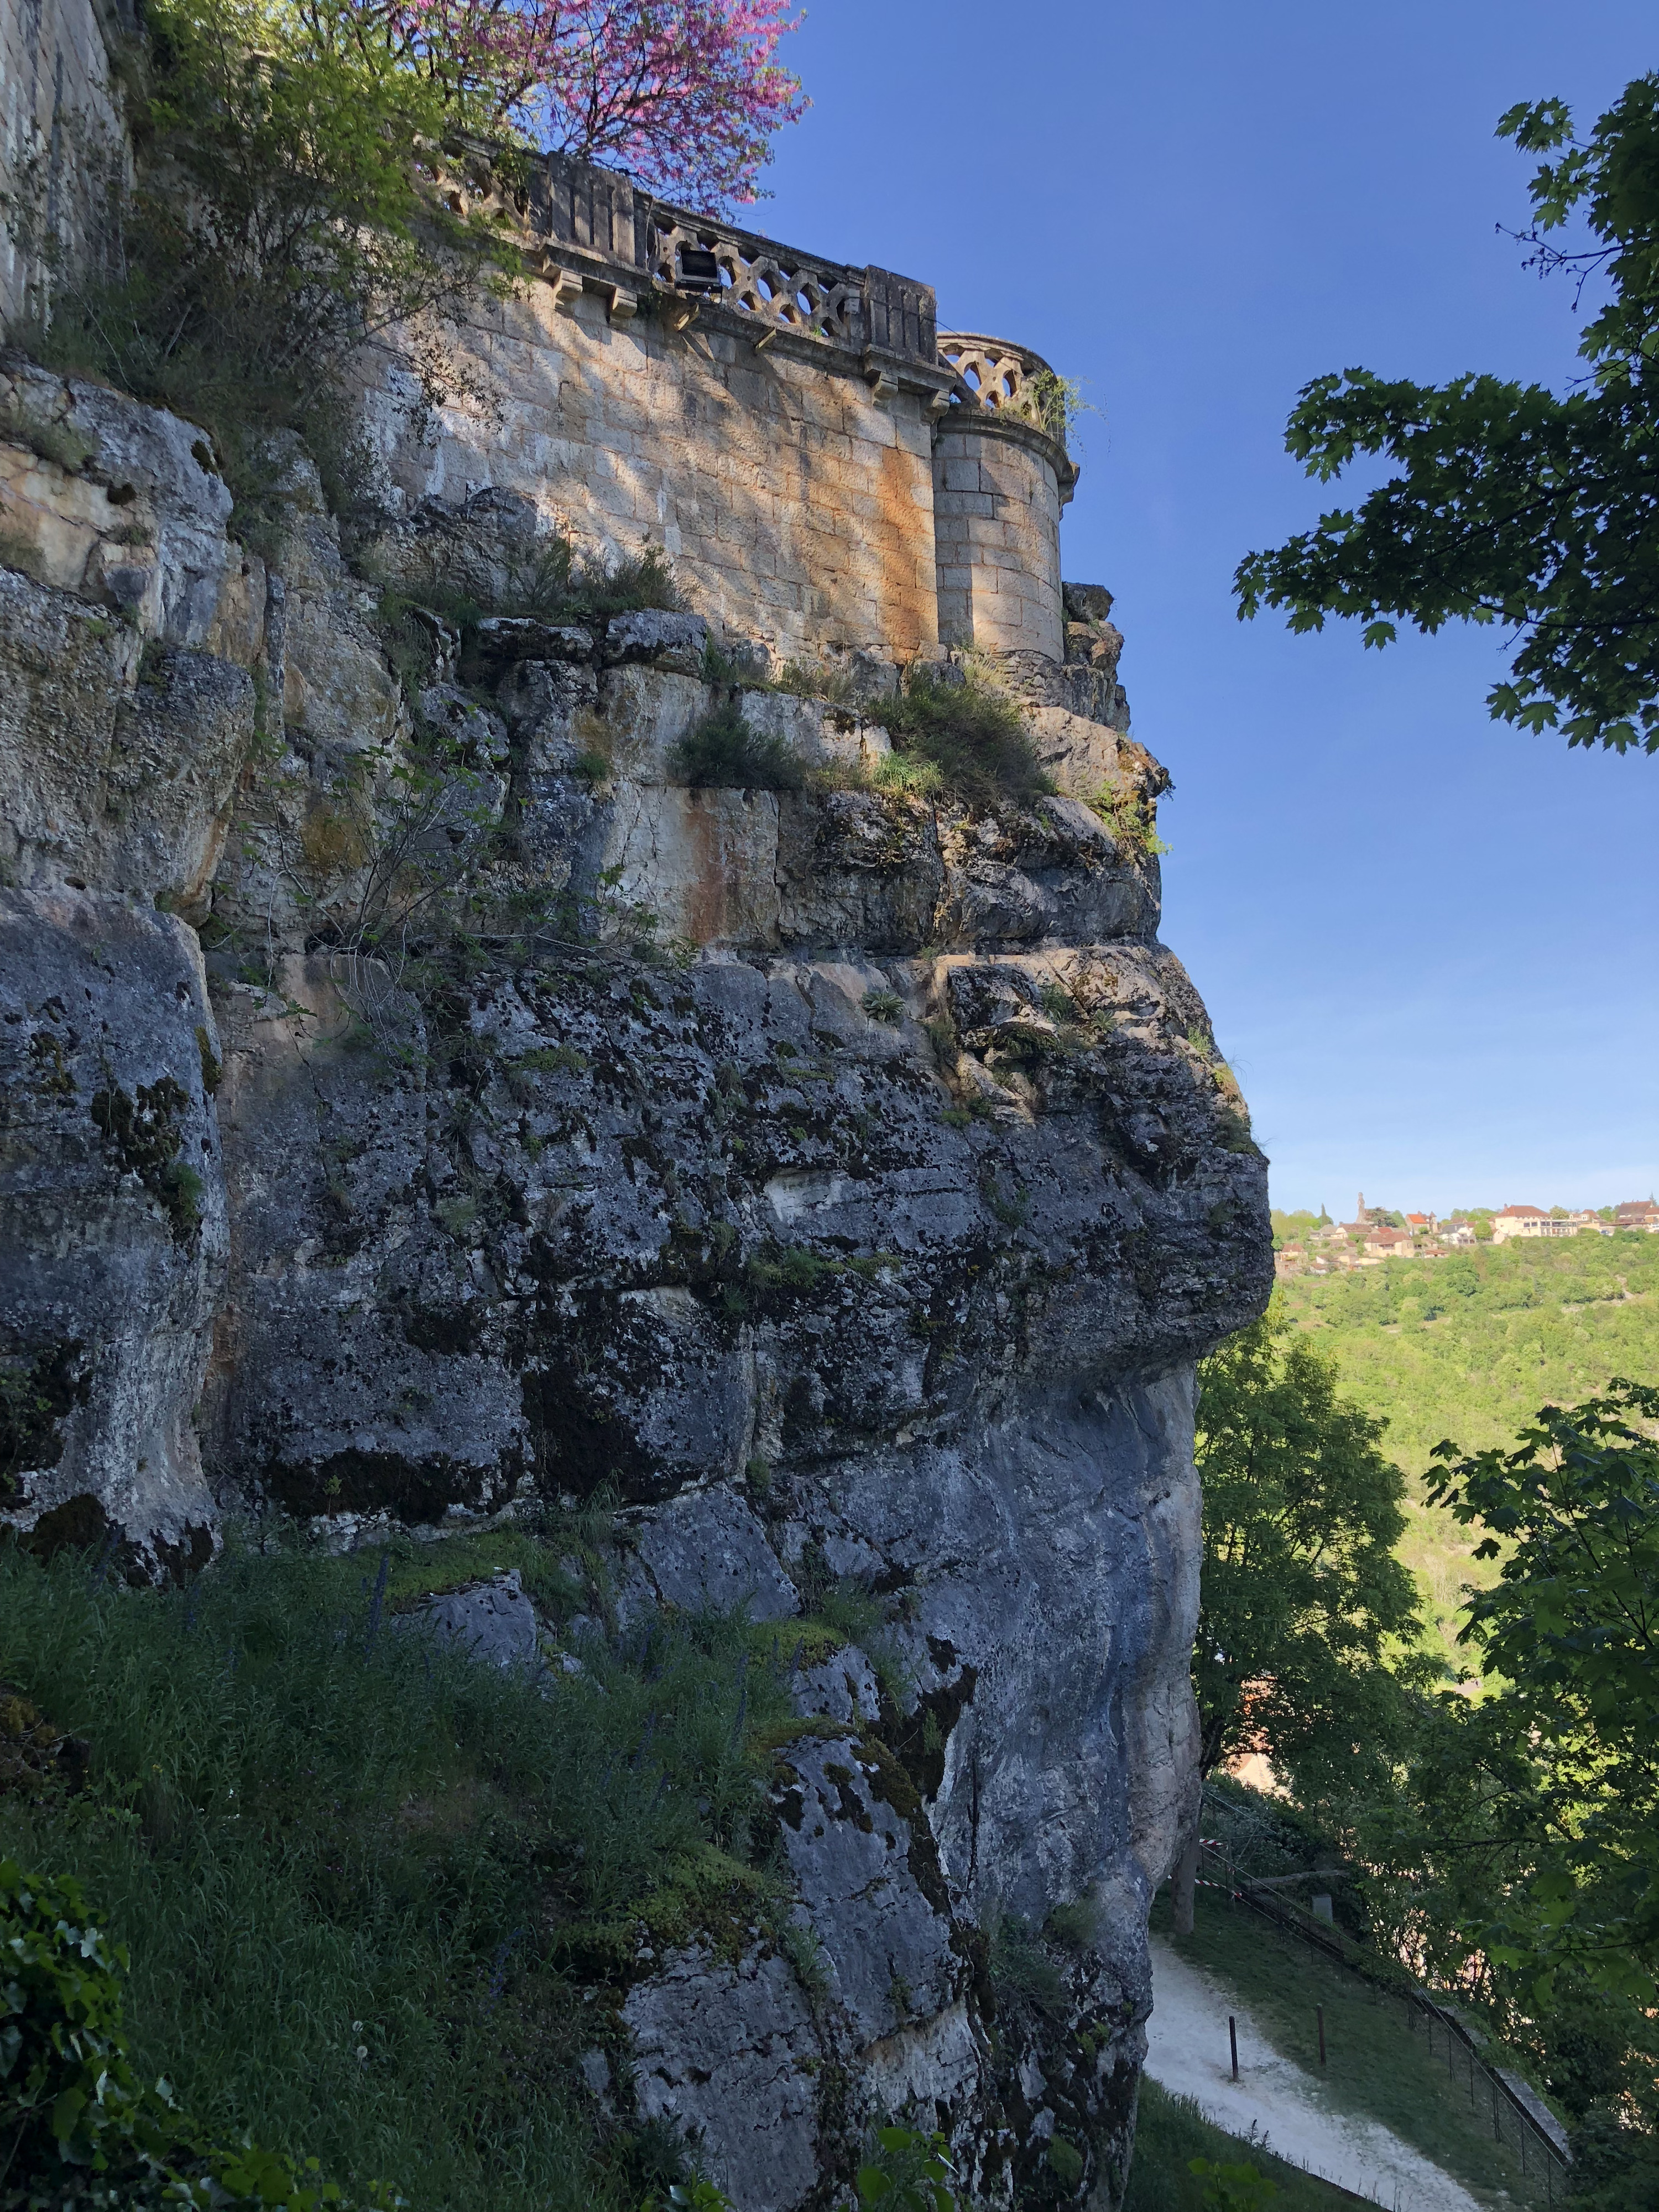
x: 1511, y: 1221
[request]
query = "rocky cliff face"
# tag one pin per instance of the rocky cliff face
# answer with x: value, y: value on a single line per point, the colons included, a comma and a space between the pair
x: 838, y: 1182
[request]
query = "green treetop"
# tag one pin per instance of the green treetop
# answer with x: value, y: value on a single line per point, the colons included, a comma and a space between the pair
x: 1513, y: 503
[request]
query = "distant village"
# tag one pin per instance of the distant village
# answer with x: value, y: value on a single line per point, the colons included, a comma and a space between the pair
x: 1375, y: 1234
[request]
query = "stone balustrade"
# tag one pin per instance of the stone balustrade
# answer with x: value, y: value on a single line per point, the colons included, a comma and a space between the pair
x: 597, y: 222
x: 993, y: 377
x: 776, y: 287
x: 828, y: 470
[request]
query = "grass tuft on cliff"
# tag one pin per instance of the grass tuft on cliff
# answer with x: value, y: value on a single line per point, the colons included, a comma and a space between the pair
x: 366, y: 1883
x: 723, y: 753
x: 973, y: 737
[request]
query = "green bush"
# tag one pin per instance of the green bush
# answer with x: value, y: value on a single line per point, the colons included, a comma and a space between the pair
x: 974, y: 736
x: 906, y: 2171
x: 722, y: 752
x: 79, y: 2126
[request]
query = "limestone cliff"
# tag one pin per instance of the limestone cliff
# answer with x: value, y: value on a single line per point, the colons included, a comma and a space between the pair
x: 839, y: 1180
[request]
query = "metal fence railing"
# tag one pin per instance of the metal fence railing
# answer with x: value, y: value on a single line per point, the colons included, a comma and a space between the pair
x: 1521, y: 2121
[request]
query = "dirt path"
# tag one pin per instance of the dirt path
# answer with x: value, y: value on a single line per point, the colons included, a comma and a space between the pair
x: 1187, y: 2054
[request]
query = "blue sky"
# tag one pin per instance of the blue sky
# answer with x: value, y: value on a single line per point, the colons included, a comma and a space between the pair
x: 1426, y: 940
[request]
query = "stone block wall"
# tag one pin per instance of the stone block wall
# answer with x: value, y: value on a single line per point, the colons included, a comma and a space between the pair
x: 829, y: 471
x: 796, y: 505
x: 996, y: 528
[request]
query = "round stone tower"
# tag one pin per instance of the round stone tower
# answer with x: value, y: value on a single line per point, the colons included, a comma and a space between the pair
x: 1001, y: 475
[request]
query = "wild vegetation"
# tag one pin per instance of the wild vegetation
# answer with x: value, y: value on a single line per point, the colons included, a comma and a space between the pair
x: 379, y: 1900
x: 722, y: 750
x: 1307, y: 1619
x: 1513, y: 503
x: 1470, y: 1346
x: 1495, y: 1835
x: 963, y: 740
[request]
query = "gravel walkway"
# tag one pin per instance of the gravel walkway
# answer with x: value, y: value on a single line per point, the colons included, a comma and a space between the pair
x: 1285, y: 2107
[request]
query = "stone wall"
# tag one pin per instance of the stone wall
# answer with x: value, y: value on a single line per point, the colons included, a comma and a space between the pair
x: 796, y: 504
x: 996, y: 527
x: 56, y: 109
x: 829, y: 473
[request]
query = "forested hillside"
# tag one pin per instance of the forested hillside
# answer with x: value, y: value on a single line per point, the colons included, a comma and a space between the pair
x: 1469, y: 1347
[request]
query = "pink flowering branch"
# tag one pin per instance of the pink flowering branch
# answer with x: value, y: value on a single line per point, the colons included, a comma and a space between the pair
x: 686, y: 94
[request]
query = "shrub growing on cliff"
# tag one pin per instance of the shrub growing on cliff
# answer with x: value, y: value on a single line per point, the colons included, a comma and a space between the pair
x: 724, y: 752
x: 974, y: 736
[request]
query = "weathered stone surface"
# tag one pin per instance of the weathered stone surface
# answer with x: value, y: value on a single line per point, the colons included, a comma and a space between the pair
x: 113, y: 1222
x: 113, y: 772
x: 796, y: 506
x: 728, y: 2054
x: 886, y: 1945
x: 705, y: 1551
x: 671, y: 641
x: 819, y: 735
x: 499, y: 643
x: 704, y: 862
x: 842, y: 1688
x: 646, y: 712
x: 345, y: 1275
x: 119, y: 503
x: 493, y: 1622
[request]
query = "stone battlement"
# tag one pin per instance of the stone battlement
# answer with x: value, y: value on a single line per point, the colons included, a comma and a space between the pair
x: 833, y: 476
x: 831, y: 473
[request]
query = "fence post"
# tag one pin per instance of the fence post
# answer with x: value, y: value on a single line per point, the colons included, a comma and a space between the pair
x: 1232, y: 2038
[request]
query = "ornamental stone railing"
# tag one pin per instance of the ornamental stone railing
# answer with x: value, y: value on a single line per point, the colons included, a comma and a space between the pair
x: 595, y: 224
x: 1000, y: 379
x: 936, y: 525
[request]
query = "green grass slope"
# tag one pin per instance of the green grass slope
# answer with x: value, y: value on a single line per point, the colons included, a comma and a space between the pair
x: 1171, y: 2132
x: 1377, y: 2065
x: 367, y: 1885
x: 1469, y: 1347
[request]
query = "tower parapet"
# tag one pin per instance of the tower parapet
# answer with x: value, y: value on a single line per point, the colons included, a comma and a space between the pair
x: 828, y: 472
x: 1001, y: 475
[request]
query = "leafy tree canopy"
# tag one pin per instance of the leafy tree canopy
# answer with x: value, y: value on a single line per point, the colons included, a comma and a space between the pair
x: 685, y: 93
x: 1552, y: 1780
x: 1514, y: 504
x: 1307, y: 1621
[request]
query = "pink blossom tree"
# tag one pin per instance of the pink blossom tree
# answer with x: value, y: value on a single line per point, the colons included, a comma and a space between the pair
x: 685, y: 93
